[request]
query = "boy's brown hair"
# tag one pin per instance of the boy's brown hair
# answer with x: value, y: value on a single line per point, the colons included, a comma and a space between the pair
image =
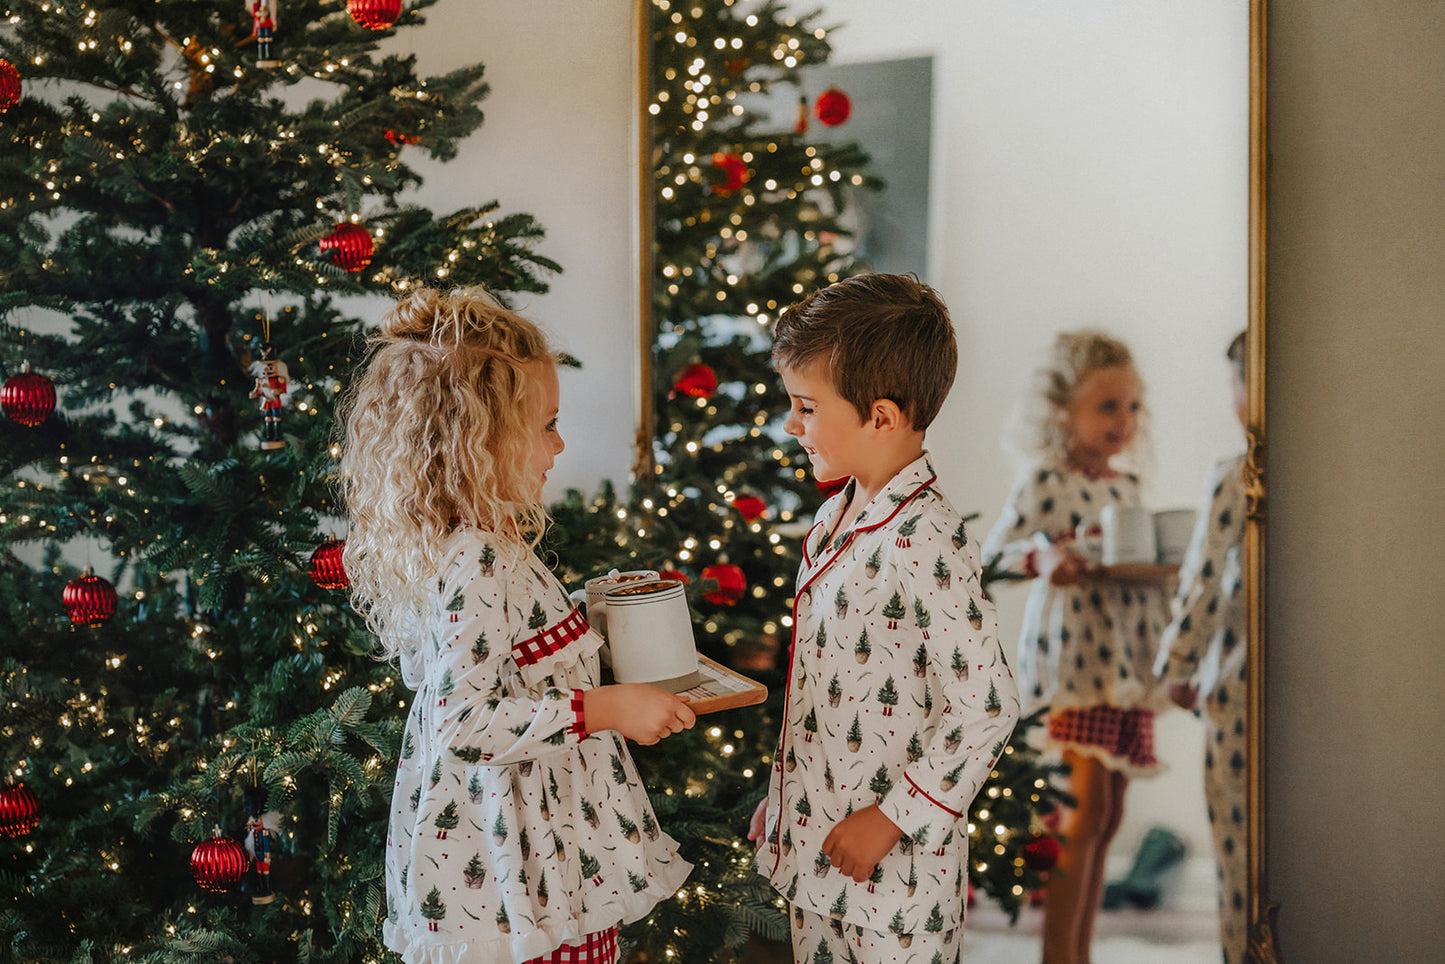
x: 878, y: 336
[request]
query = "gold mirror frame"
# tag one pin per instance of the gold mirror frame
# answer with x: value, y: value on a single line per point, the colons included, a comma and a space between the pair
x: 1263, y: 945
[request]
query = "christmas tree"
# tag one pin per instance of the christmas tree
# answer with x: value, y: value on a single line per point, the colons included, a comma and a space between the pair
x: 188, y: 185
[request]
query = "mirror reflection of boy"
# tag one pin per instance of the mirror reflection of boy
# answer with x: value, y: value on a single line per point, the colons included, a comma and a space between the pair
x: 1202, y: 657
x: 899, y: 699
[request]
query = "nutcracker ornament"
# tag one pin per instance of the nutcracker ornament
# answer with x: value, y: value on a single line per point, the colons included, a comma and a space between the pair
x: 272, y: 388
x: 261, y: 826
x: 263, y: 28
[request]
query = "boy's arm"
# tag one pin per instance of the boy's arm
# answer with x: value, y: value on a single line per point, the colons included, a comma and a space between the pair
x: 980, y: 696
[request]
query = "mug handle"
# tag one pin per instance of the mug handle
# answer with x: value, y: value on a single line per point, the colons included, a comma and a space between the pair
x: 579, y: 597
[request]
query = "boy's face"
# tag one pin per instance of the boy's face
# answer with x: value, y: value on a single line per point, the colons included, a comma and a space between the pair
x: 836, y: 439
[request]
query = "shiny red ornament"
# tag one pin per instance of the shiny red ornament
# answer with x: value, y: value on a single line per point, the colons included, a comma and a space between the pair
x: 350, y: 247
x: 219, y: 863
x: 735, y: 173
x: 1041, y: 852
x: 750, y: 507
x: 19, y: 813
x: 89, y: 600
x: 696, y: 381
x: 326, y: 569
x: 374, y: 14
x: 9, y: 86
x: 400, y: 139
x: 28, y: 398
x: 833, y: 107
x: 723, y: 584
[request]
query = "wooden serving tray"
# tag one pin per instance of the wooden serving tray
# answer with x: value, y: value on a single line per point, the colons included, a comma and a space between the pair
x: 722, y: 689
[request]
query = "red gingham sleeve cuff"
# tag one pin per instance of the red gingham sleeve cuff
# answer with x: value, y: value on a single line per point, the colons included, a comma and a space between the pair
x: 1031, y: 564
x: 579, y: 722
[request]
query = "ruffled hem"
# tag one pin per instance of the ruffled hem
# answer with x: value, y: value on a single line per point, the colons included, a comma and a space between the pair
x: 523, y: 947
x: 1055, y: 748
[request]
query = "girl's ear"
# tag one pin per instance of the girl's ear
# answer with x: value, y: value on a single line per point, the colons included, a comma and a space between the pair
x: 887, y: 415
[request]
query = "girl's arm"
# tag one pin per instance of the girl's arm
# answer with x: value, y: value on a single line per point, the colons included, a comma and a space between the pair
x: 1031, y: 523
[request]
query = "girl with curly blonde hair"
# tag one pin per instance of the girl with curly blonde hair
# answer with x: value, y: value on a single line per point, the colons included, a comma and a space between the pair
x: 1089, y: 635
x: 514, y: 821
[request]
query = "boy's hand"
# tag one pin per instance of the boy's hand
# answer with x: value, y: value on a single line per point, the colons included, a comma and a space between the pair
x: 640, y: 712
x: 758, y: 826
x: 857, y: 843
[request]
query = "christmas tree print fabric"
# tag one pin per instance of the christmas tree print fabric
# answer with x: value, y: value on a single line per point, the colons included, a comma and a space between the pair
x: 898, y: 695
x: 1092, y: 643
x: 512, y: 830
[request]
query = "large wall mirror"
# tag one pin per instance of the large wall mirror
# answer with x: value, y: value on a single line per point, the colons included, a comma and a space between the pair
x: 1087, y: 166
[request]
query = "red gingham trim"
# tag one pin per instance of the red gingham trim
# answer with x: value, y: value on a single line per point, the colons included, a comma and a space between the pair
x: 597, y: 948
x: 579, y: 722
x: 1127, y: 734
x: 550, y: 640
x: 924, y: 793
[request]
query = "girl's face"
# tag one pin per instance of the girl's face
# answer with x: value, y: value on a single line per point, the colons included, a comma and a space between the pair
x: 1103, y: 416
x: 826, y: 424
x: 546, y: 442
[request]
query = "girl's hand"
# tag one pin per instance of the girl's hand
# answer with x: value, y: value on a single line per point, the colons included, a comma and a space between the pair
x: 1183, y: 695
x: 758, y: 826
x: 857, y: 842
x: 640, y: 712
x: 1061, y: 565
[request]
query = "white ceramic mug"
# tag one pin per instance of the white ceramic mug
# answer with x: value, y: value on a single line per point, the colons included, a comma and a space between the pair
x: 1173, y: 529
x: 593, y: 595
x: 650, y: 635
x: 1128, y: 534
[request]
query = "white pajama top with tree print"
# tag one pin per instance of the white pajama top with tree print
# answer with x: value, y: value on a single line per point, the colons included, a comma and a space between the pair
x: 898, y: 695
x: 512, y: 830
x: 1088, y: 644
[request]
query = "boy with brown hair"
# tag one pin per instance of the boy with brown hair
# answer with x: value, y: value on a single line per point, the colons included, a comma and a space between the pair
x: 899, y: 699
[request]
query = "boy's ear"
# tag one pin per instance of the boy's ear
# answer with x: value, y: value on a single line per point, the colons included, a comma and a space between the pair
x: 886, y: 415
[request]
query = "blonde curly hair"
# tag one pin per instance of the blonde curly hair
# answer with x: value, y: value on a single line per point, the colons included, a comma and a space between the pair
x: 1040, y: 426
x: 434, y: 433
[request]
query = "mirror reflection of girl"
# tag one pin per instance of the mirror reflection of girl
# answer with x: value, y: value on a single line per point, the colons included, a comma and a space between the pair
x: 1202, y: 657
x: 514, y: 832
x: 1089, y: 638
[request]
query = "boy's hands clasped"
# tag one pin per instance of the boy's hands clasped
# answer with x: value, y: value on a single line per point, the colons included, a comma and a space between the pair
x: 641, y: 712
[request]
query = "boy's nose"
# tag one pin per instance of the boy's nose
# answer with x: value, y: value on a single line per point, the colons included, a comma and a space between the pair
x: 792, y: 426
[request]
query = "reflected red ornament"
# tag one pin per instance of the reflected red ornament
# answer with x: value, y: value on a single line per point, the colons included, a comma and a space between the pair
x: 735, y: 173
x: 89, y: 600
x: 28, y: 398
x: 219, y: 863
x: 833, y: 107
x: 350, y: 247
x: 677, y: 574
x: 401, y: 140
x: 326, y: 568
x: 9, y: 86
x: 696, y: 381
x: 750, y: 507
x: 1041, y: 852
x: 374, y: 14
x: 723, y: 584
x: 19, y: 813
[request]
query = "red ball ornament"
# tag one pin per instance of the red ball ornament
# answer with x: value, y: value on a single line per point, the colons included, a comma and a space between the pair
x: 696, y: 381
x: 750, y: 507
x: 327, y: 570
x: 374, y: 14
x: 9, y: 86
x: 735, y: 173
x: 723, y: 584
x: 89, y: 600
x: 833, y: 107
x: 350, y: 247
x: 219, y: 863
x: 400, y: 139
x: 28, y: 398
x: 18, y: 811
x: 1041, y: 852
